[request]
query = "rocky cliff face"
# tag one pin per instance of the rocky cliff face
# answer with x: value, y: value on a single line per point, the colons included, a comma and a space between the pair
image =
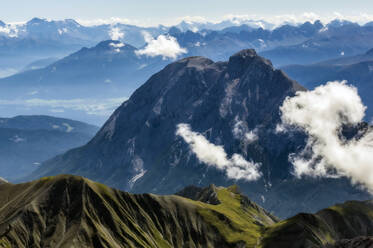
x: 137, y: 149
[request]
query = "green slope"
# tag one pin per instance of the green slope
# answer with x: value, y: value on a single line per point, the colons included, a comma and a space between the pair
x: 328, y: 226
x: 70, y: 211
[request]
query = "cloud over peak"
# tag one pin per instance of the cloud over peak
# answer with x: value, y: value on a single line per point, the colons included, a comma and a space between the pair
x: 164, y: 45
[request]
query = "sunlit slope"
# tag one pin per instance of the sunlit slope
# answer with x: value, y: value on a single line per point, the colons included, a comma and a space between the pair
x: 70, y: 211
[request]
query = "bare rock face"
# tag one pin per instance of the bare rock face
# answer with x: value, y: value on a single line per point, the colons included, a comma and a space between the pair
x: 137, y: 149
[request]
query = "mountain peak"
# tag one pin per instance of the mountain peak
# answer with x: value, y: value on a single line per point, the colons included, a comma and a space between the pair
x: 196, y: 61
x: 207, y: 195
x: 210, y: 96
x: 71, y: 22
x: 2, y: 24
x: 113, y: 43
x: 241, y: 61
x: 340, y: 23
x: 36, y: 20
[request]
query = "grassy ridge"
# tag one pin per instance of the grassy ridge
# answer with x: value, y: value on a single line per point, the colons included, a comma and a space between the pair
x: 71, y: 211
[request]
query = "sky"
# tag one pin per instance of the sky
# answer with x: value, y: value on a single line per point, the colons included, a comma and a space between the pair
x: 151, y: 12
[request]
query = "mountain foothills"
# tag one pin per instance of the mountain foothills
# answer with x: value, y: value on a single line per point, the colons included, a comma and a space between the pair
x: 27, y: 141
x: 70, y: 211
x: 143, y: 146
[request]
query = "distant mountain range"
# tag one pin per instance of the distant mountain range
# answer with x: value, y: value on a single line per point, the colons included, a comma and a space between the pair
x: 21, y: 44
x: 87, y: 85
x: 70, y: 211
x: 357, y: 70
x: 91, y: 82
x: 138, y: 149
x: 109, y: 69
x: 27, y: 141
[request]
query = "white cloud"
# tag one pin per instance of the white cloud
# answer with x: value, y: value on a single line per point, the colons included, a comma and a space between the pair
x: 235, y: 167
x: 252, y: 136
x: 115, y: 33
x: 10, y: 30
x: 240, y: 131
x: 109, y: 21
x: 164, y: 45
x: 69, y: 128
x: 192, y: 19
x: 17, y: 139
x: 117, y: 45
x: 321, y: 113
x: 99, y: 107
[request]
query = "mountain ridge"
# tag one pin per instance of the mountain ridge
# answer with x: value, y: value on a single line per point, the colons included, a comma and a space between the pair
x: 71, y: 211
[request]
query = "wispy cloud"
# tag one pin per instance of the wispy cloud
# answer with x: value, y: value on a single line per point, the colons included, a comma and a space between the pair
x: 109, y: 21
x: 235, y: 167
x: 164, y: 45
x: 322, y: 113
x: 115, y: 33
x: 240, y: 131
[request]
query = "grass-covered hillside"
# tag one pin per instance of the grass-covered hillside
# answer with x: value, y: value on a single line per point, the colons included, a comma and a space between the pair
x: 71, y: 211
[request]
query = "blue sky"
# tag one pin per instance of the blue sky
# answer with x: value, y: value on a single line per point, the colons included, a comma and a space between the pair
x: 167, y: 11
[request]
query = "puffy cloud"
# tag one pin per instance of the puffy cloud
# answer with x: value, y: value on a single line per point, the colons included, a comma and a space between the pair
x: 235, y: 167
x: 115, y: 33
x: 322, y: 113
x: 164, y: 45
